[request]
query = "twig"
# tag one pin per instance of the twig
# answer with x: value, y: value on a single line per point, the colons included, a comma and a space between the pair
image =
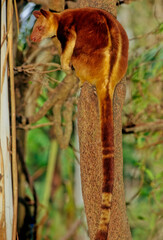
x: 4, y: 67
x: 61, y: 91
x: 123, y: 1
x: 63, y: 135
x: 31, y: 185
x: 151, y: 145
x: 17, y: 16
x: 4, y: 37
x: 120, y: 2
x: 72, y: 229
x: 52, y: 79
x: 5, y: 34
x: 151, y: 126
x: 146, y: 35
x: 29, y: 67
x: 38, y: 173
x: 29, y: 127
x: 134, y: 196
x: 76, y: 153
x: 67, y: 115
x: 66, y: 99
x: 139, y: 190
x: 36, y: 52
x: 44, y: 72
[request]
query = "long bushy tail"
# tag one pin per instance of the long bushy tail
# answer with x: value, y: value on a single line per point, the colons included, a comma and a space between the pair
x: 107, y: 135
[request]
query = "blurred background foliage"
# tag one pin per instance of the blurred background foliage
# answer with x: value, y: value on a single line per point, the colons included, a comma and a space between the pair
x: 62, y: 212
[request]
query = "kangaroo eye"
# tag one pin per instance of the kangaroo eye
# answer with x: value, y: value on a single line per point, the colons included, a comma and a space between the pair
x: 40, y: 28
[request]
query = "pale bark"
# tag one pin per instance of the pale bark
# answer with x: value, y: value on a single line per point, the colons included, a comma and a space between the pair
x: 6, y: 203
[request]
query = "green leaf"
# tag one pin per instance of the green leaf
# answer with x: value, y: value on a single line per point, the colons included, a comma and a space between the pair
x: 160, y: 28
x: 141, y: 217
x: 149, y: 174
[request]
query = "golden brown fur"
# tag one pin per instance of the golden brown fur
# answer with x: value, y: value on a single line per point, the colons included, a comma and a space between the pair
x: 96, y: 45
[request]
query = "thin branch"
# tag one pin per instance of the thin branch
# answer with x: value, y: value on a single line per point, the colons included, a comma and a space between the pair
x: 17, y: 16
x: 38, y: 173
x: 29, y: 67
x: 139, y: 189
x: 31, y: 185
x: 72, y: 229
x: 151, y: 145
x: 5, y: 34
x: 44, y: 72
x: 4, y: 67
x: 146, y: 34
x: 36, y: 52
x: 76, y: 153
x: 150, y: 126
x: 120, y: 2
x: 61, y: 91
x: 63, y: 135
x: 52, y: 79
x: 29, y: 127
x: 124, y: 1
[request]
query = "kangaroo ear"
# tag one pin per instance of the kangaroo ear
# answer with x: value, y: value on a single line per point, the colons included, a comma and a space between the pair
x: 36, y: 14
x: 45, y: 13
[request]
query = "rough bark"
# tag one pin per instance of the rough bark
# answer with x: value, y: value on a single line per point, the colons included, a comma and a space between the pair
x: 57, y: 5
x: 90, y: 153
x: 109, y: 6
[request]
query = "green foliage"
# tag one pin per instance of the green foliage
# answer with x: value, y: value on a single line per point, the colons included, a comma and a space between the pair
x: 143, y: 152
x: 38, y: 147
x: 143, y: 71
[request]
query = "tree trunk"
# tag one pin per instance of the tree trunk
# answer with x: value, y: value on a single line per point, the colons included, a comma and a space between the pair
x: 6, y: 202
x: 90, y: 153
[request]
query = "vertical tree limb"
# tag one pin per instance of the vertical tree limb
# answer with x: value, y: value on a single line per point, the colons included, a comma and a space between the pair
x: 91, y: 157
x: 6, y: 200
x: 108, y: 5
x: 13, y: 116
